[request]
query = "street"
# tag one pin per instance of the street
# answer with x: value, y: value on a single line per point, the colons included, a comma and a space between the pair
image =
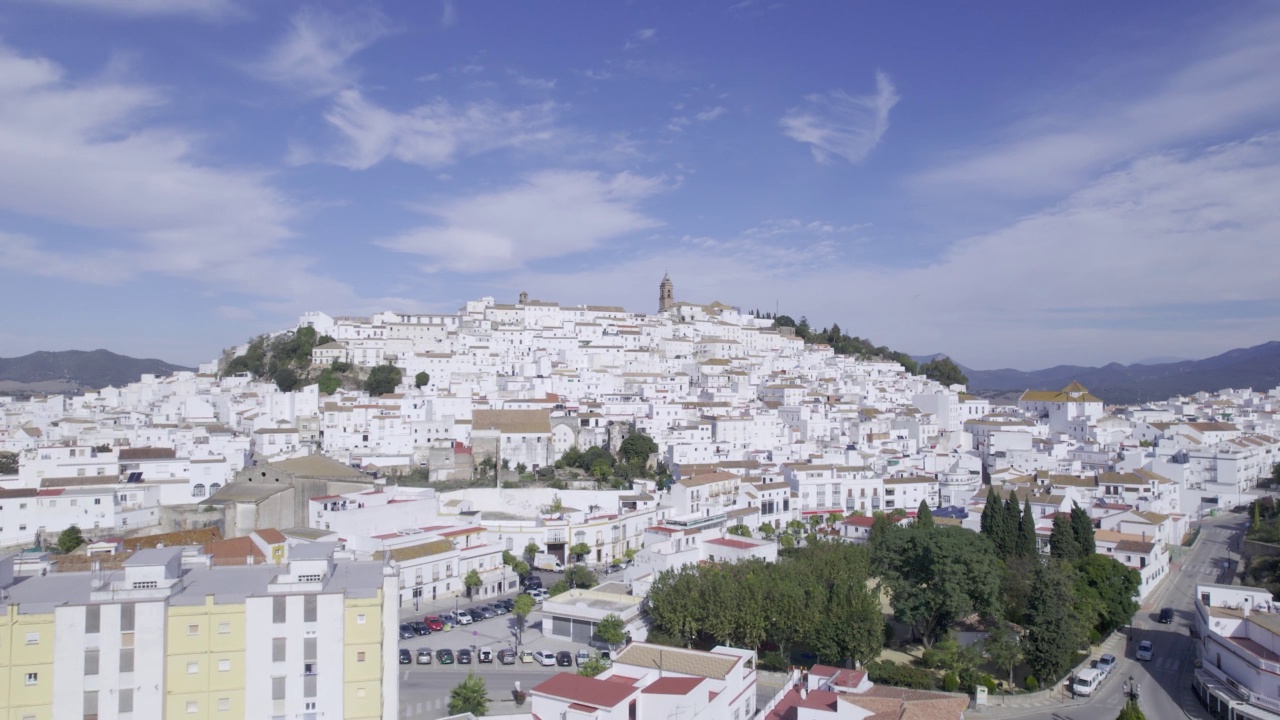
x: 1165, y: 680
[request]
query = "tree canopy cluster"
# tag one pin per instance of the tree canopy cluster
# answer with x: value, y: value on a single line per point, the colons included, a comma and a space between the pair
x: 8, y: 463
x: 841, y: 343
x: 944, y: 370
x: 631, y: 462
x: 817, y: 596
x: 382, y: 380
x: 284, y: 359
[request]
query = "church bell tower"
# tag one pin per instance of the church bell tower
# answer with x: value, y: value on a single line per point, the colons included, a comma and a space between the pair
x: 666, y: 294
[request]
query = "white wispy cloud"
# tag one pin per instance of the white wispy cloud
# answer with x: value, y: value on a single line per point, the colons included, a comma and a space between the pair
x: 206, y: 9
x: 448, y: 13
x: 710, y: 114
x: 680, y: 122
x: 1223, y: 86
x: 839, y: 125
x: 314, y: 53
x: 128, y: 197
x: 432, y: 134
x: 535, y: 83
x: 550, y: 214
x: 640, y: 37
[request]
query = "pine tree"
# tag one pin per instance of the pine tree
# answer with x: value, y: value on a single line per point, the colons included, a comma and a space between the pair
x: 1013, y: 524
x: 1053, y: 629
x: 1027, y: 534
x: 924, y: 516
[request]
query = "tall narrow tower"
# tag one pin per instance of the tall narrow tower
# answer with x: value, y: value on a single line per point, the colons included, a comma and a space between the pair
x: 666, y: 294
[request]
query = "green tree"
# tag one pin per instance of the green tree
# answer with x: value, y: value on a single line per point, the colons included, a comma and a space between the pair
x: 580, y: 577
x: 1111, y: 589
x: 1012, y: 524
x: 592, y: 667
x: 1054, y: 630
x: 70, y: 539
x: 924, y: 516
x: 472, y: 581
x: 944, y: 370
x: 1027, y: 546
x: 531, y: 550
x: 521, y: 568
x: 286, y: 379
x: 8, y: 463
x: 1131, y: 711
x: 561, y: 587
x: 1082, y: 531
x: 329, y: 382
x: 674, y: 603
x: 1003, y: 648
x: 579, y: 551
x: 382, y: 380
x: 469, y: 696
x: 1062, y: 540
x: 636, y: 449
x: 103, y: 448
x: 523, y: 606
x: 739, y: 530
x: 937, y: 575
x: 767, y: 530
x: 421, y: 379
x: 788, y: 542
x: 611, y: 631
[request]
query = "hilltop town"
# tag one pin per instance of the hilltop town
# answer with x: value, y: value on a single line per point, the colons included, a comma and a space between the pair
x: 508, y: 439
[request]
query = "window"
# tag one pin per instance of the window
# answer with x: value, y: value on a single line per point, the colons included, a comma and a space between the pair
x: 193, y: 668
x: 145, y: 585
x: 360, y: 656
x: 33, y: 678
x: 309, y: 649
x: 126, y: 700
x: 359, y: 619
x: 91, y: 662
x: 308, y: 686
x: 197, y: 490
x: 92, y: 619
x: 97, y: 501
x: 33, y: 638
x: 193, y: 707
x: 126, y: 618
x: 278, y: 609
x: 309, y: 603
x: 224, y: 628
x: 277, y: 649
x: 224, y: 704
x: 315, y: 578
x: 224, y: 665
x: 277, y: 688
x: 193, y: 629
x: 126, y: 660
x: 359, y: 692
x: 91, y: 704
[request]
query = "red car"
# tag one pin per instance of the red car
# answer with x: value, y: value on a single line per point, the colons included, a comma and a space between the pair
x: 434, y: 622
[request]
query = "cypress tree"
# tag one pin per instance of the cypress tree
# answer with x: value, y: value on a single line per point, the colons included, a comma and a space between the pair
x: 1062, y: 541
x: 1013, y: 525
x: 1027, y: 536
x: 924, y: 516
x: 1082, y: 528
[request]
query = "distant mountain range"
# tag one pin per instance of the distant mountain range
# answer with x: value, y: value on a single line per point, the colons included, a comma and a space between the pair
x: 1256, y: 367
x: 71, y: 370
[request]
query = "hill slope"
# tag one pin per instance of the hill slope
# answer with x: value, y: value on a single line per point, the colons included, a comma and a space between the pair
x: 84, y: 369
x: 1256, y: 367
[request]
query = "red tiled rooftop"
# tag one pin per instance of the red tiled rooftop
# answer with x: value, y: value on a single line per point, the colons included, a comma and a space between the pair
x: 271, y: 536
x: 731, y: 542
x: 589, y: 691
x: 672, y: 686
x: 859, y: 521
x: 623, y: 679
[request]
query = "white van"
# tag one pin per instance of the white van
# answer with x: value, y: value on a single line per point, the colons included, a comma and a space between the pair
x: 1086, y: 682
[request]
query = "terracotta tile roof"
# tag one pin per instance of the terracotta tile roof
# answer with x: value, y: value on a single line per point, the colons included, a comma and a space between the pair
x: 147, y: 453
x: 512, y: 421
x: 588, y: 691
x: 733, y: 543
x: 180, y: 538
x: 672, y: 686
x: 685, y: 662
x: 412, y: 552
x: 271, y: 536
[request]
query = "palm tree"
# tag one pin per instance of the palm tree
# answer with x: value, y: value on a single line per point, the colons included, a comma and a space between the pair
x: 470, y: 696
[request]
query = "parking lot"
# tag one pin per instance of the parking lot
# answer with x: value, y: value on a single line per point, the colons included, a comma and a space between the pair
x: 424, y: 688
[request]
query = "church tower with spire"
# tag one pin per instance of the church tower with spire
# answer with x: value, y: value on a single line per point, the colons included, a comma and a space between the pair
x: 666, y: 294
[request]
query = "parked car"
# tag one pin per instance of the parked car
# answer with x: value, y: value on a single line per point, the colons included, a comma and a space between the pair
x: 444, y: 656
x: 405, y: 657
x: 539, y: 595
x: 614, y: 567
x: 485, y: 611
x: 449, y: 620
x: 564, y: 658
x: 526, y: 656
x: 484, y: 655
x: 606, y: 657
x: 419, y: 628
x: 424, y: 656
x: 1144, y: 650
x: 507, y: 656
x: 434, y: 622
x: 1106, y: 664
x: 582, y: 657
x: 464, y: 656
x: 545, y: 658
x: 1087, y: 681
x: 406, y: 632
x: 1166, y: 615
x: 499, y: 608
x: 464, y: 618
x: 509, y: 604
x: 533, y: 581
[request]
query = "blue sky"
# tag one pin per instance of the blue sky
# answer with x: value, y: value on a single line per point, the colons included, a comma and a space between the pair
x: 1015, y: 184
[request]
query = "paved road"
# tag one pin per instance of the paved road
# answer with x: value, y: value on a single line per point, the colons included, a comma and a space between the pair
x: 1166, y: 680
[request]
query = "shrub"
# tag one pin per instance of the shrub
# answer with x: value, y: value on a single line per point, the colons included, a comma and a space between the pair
x: 772, y: 660
x: 1031, y: 683
x: 891, y: 673
x: 988, y: 682
x: 950, y: 682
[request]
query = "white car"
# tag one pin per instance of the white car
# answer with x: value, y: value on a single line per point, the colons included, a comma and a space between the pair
x: 464, y: 618
x: 1144, y: 650
x: 539, y: 594
x: 1106, y: 664
x: 1086, y: 682
x: 545, y: 658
